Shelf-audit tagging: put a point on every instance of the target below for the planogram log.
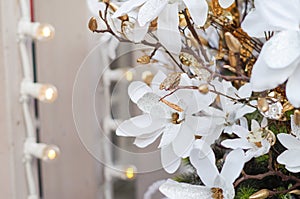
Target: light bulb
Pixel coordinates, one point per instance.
(42, 151)
(47, 93)
(50, 152)
(125, 172)
(37, 30)
(43, 92)
(44, 32)
(130, 173)
(129, 75)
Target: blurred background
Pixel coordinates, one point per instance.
(76, 173)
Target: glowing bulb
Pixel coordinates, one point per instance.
(42, 151)
(47, 93)
(36, 30)
(50, 152)
(43, 92)
(44, 32)
(130, 173)
(129, 76)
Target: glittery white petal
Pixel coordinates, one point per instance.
(282, 50)
(127, 7)
(288, 158)
(137, 89)
(183, 141)
(169, 134)
(226, 3)
(293, 169)
(292, 87)
(203, 159)
(167, 28)
(289, 141)
(150, 10)
(175, 190)
(236, 143)
(170, 161)
(139, 125)
(233, 165)
(198, 10)
(245, 91)
(264, 77)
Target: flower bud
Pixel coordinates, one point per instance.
(93, 24)
(261, 194)
(203, 88)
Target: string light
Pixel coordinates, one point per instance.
(124, 172)
(42, 151)
(37, 30)
(43, 92)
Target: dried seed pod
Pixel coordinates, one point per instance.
(295, 191)
(232, 42)
(297, 117)
(262, 104)
(261, 194)
(147, 77)
(145, 59)
(203, 88)
(93, 24)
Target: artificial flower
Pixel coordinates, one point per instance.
(279, 59)
(231, 111)
(217, 184)
(289, 156)
(255, 142)
(173, 118)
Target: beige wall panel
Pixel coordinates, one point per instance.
(76, 174)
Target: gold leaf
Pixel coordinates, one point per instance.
(93, 24)
(172, 105)
(143, 59)
(171, 81)
(287, 106)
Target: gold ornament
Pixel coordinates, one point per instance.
(93, 24)
(261, 194)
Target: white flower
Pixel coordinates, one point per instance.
(289, 158)
(145, 11)
(231, 111)
(172, 117)
(279, 59)
(254, 141)
(167, 13)
(203, 159)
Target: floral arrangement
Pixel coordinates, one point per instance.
(225, 102)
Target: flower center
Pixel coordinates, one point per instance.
(175, 118)
(217, 193)
(256, 137)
